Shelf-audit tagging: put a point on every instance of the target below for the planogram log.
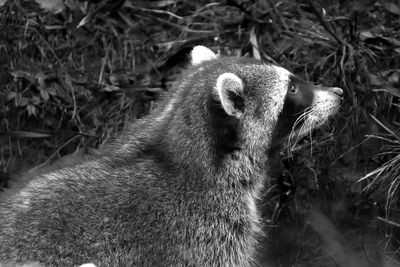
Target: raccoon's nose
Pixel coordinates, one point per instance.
(337, 91)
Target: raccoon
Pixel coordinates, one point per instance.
(181, 187)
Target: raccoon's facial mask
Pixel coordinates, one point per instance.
(306, 107)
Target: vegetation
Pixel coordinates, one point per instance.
(73, 74)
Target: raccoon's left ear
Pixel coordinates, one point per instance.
(201, 53)
(229, 89)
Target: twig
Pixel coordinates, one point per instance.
(254, 44)
(56, 152)
(342, 59)
(388, 221)
(128, 4)
(68, 82)
(182, 28)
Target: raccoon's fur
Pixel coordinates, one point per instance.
(181, 187)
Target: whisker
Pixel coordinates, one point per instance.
(306, 127)
(303, 117)
(298, 120)
(311, 143)
(299, 134)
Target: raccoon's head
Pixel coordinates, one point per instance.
(266, 102)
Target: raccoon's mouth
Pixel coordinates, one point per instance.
(312, 119)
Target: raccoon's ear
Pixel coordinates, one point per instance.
(229, 89)
(201, 53)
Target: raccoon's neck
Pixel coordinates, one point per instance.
(193, 145)
(189, 135)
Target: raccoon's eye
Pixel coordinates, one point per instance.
(292, 89)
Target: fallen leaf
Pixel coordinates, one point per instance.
(392, 8)
(254, 43)
(54, 6)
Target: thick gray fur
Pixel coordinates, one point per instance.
(163, 195)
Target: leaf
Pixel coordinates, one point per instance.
(151, 4)
(51, 90)
(254, 43)
(54, 6)
(374, 79)
(40, 77)
(392, 41)
(44, 94)
(162, 3)
(365, 35)
(24, 134)
(32, 110)
(394, 78)
(389, 90)
(385, 127)
(23, 74)
(392, 8)
(35, 100)
(110, 88)
(73, 5)
(10, 95)
(2, 2)
(21, 101)
(84, 21)
(68, 82)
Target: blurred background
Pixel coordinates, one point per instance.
(74, 74)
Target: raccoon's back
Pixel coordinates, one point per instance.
(76, 214)
(117, 214)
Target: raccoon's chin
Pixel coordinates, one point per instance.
(313, 122)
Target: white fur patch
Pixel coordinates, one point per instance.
(283, 73)
(228, 82)
(284, 78)
(201, 54)
(280, 88)
(169, 107)
(324, 105)
(320, 97)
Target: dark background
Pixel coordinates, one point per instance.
(74, 73)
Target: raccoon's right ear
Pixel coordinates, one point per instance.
(229, 89)
(200, 54)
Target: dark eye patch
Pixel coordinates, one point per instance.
(292, 86)
(294, 106)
